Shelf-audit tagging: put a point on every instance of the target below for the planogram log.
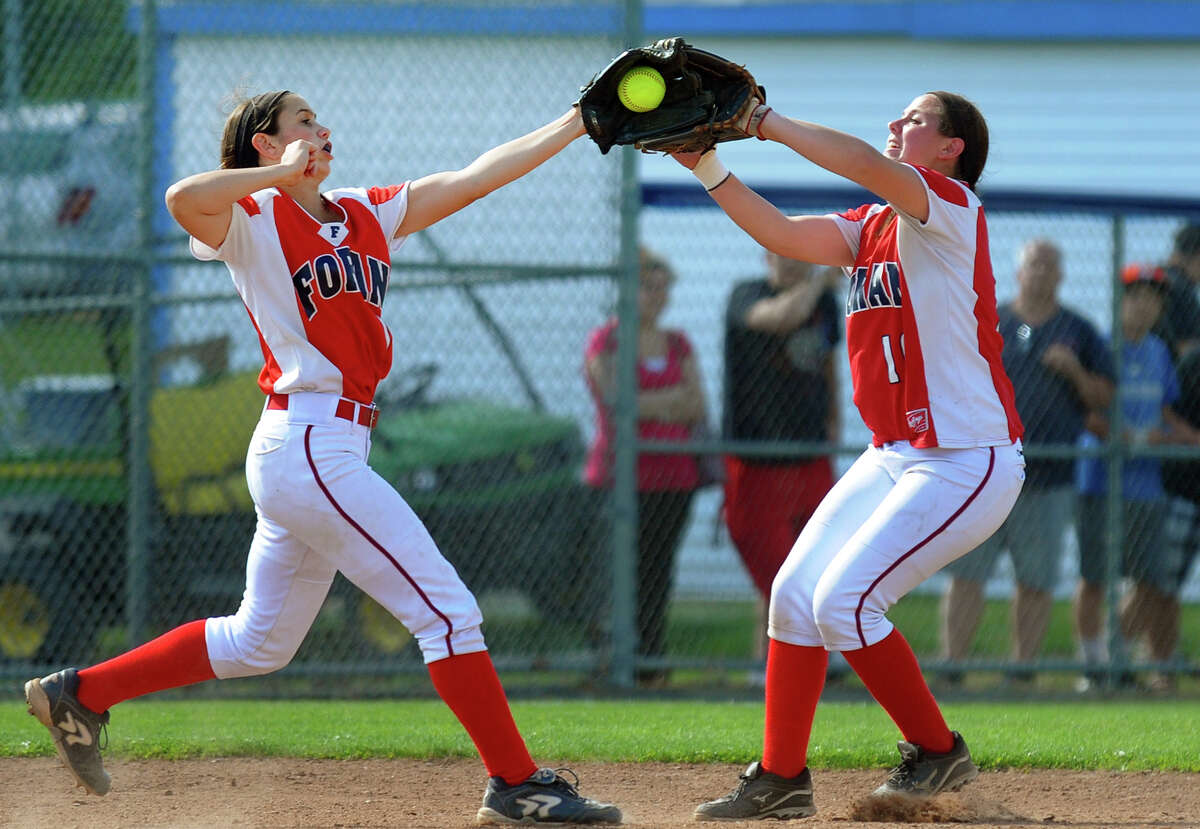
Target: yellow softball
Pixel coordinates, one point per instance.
(641, 89)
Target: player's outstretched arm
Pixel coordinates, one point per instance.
(203, 203)
(813, 239)
(436, 196)
(852, 158)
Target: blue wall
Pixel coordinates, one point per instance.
(1166, 20)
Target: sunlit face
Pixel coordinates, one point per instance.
(653, 290)
(783, 272)
(1140, 307)
(298, 121)
(915, 137)
(1191, 266)
(1040, 272)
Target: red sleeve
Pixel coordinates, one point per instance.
(857, 214)
(680, 345)
(946, 189)
(601, 340)
(249, 205)
(378, 195)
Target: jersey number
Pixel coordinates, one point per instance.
(890, 358)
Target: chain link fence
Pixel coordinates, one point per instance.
(127, 369)
(1095, 236)
(69, 123)
(128, 387)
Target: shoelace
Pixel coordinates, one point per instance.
(562, 782)
(102, 719)
(909, 757)
(899, 774)
(744, 780)
(902, 772)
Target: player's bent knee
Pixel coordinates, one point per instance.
(441, 644)
(255, 663)
(268, 657)
(838, 618)
(235, 649)
(790, 617)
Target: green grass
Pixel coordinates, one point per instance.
(1092, 735)
(1119, 734)
(726, 629)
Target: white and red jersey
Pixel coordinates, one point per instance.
(921, 324)
(315, 291)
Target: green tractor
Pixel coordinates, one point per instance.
(496, 484)
(498, 487)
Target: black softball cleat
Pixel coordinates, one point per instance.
(545, 797)
(76, 729)
(923, 774)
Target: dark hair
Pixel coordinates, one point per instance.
(652, 262)
(1187, 240)
(962, 119)
(251, 116)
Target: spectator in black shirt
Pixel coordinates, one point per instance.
(781, 331)
(1179, 326)
(1060, 369)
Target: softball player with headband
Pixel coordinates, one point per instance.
(312, 269)
(944, 467)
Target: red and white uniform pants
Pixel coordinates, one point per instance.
(896, 517)
(322, 509)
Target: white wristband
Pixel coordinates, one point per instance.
(711, 172)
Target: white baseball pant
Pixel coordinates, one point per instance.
(322, 509)
(896, 517)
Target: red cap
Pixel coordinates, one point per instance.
(1151, 274)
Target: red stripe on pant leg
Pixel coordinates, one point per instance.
(400, 569)
(863, 599)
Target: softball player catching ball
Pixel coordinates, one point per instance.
(312, 269)
(945, 463)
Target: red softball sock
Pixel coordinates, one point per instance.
(890, 671)
(795, 678)
(178, 657)
(469, 686)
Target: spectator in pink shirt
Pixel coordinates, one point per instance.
(670, 404)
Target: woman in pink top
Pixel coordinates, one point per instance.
(670, 402)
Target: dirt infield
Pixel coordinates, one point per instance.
(37, 793)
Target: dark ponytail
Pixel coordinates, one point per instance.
(962, 119)
(251, 116)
